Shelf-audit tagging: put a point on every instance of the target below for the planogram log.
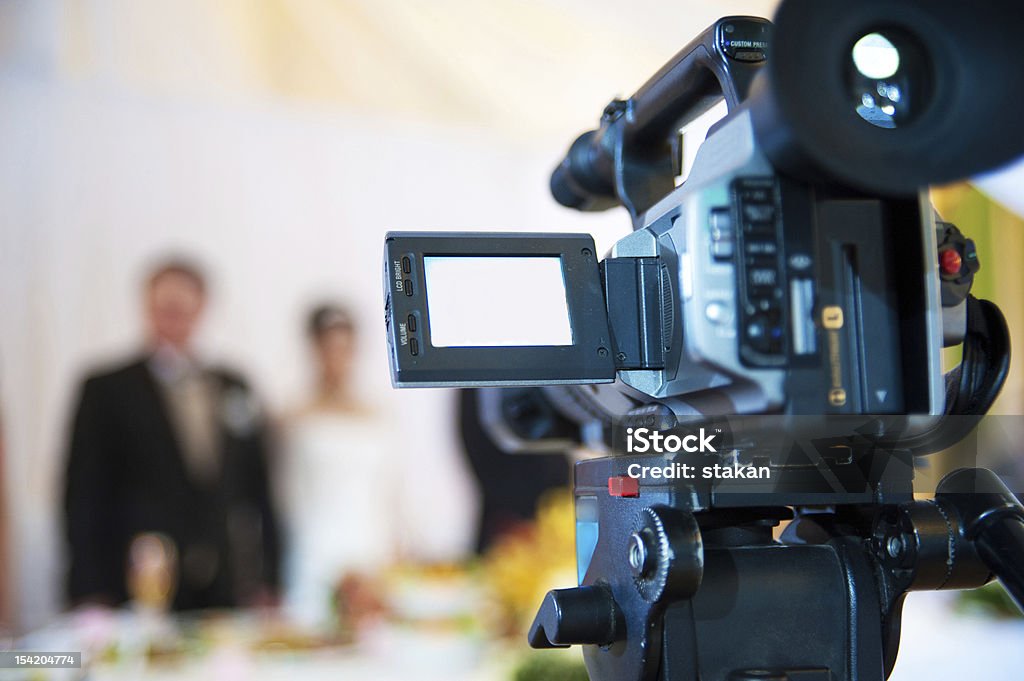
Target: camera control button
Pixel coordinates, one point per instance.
(722, 250)
(623, 486)
(762, 276)
(723, 237)
(718, 313)
(720, 223)
(764, 333)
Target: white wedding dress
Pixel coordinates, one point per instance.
(338, 497)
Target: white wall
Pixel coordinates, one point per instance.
(284, 206)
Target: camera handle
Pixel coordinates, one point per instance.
(633, 158)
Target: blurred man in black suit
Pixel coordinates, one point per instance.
(167, 446)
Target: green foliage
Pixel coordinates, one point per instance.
(991, 600)
(550, 666)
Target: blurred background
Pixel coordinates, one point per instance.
(272, 143)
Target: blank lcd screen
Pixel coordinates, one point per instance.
(475, 301)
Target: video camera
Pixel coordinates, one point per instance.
(793, 296)
(798, 269)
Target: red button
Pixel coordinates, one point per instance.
(623, 486)
(950, 261)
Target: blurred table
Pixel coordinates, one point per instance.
(937, 643)
(117, 646)
(227, 665)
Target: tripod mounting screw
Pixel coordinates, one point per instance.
(639, 555)
(895, 546)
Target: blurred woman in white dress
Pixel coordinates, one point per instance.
(335, 494)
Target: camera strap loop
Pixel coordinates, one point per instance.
(974, 385)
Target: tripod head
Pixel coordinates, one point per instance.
(684, 579)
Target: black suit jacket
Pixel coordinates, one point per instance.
(126, 475)
(510, 486)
